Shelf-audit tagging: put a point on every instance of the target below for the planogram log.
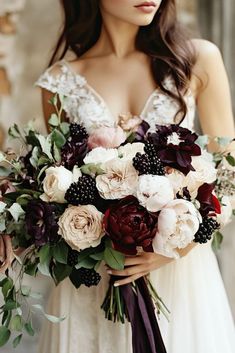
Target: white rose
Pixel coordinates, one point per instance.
(56, 183)
(205, 172)
(120, 180)
(154, 192)
(177, 180)
(81, 227)
(226, 211)
(178, 222)
(129, 150)
(101, 155)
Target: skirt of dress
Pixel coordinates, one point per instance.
(191, 287)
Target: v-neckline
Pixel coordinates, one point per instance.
(102, 100)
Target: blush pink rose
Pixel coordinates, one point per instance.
(107, 137)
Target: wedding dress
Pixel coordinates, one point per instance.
(191, 287)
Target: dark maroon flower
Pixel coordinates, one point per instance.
(175, 146)
(208, 201)
(40, 222)
(73, 153)
(130, 225)
(141, 131)
(6, 187)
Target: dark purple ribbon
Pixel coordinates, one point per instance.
(146, 335)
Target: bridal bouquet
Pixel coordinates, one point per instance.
(74, 201)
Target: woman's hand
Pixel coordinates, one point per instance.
(6, 253)
(139, 266)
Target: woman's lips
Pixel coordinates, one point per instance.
(146, 7)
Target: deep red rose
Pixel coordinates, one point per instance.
(178, 156)
(130, 225)
(208, 201)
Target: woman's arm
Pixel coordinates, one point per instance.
(215, 112)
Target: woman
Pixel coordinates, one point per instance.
(133, 60)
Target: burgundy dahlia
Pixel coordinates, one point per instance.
(73, 153)
(130, 225)
(40, 222)
(175, 146)
(208, 201)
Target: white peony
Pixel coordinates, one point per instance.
(101, 155)
(226, 211)
(154, 192)
(81, 226)
(178, 222)
(205, 172)
(56, 183)
(177, 180)
(129, 150)
(119, 180)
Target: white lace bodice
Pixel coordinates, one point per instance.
(85, 106)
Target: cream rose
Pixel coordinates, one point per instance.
(129, 150)
(120, 180)
(101, 155)
(56, 183)
(154, 192)
(81, 226)
(178, 222)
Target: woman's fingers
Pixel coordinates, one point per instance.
(128, 271)
(134, 260)
(7, 254)
(130, 279)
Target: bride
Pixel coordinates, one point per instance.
(132, 59)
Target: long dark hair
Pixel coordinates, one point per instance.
(163, 41)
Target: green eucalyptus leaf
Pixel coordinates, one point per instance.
(231, 160)
(99, 256)
(5, 334)
(2, 157)
(54, 120)
(54, 100)
(56, 153)
(64, 127)
(17, 340)
(44, 269)
(202, 141)
(114, 259)
(16, 211)
(25, 290)
(217, 241)
(45, 253)
(16, 323)
(14, 131)
(61, 272)
(223, 141)
(7, 287)
(46, 145)
(86, 263)
(31, 269)
(35, 156)
(2, 223)
(32, 139)
(51, 318)
(2, 206)
(29, 328)
(5, 172)
(10, 305)
(58, 138)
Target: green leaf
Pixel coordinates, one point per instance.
(17, 340)
(114, 259)
(4, 335)
(56, 153)
(25, 290)
(34, 158)
(43, 160)
(60, 252)
(44, 269)
(45, 143)
(86, 263)
(2, 223)
(231, 160)
(10, 305)
(223, 141)
(61, 272)
(64, 127)
(16, 323)
(92, 169)
(31, 269)
(14, 131)
(54, 100)
(51, 318)
(58, 138)
(29, 328)
(54, 120)
(5, 172)
(98, 256)
(2, 157)
(31, 139)
(202, 141)
(16, 211)
(75, 279)
(217, 241)
(2, 206)
(7, 287)
(45, 253)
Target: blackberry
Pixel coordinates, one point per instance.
(82, 192)
(88, 277)
(150, 149)
(72, 257)
(78, 132)
(141, 163)
(145, 164)
(206, 229)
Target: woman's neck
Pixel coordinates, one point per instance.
(117, 38)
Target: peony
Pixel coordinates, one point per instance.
(107, 137)
(154, 192)
(101, 155)
(178, 222)
(56, 183)
(81, 226)
(205, 172)
(177, 179)
(130, 226)
(129, 150)
(119, 180)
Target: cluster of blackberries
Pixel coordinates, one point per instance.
(78, 132)
(72, 257)
(206, 229)
(82, 192)
(148, 163)
(88, 277)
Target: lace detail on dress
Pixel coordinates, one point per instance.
(85, 106)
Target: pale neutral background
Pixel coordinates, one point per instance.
(38, 27)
